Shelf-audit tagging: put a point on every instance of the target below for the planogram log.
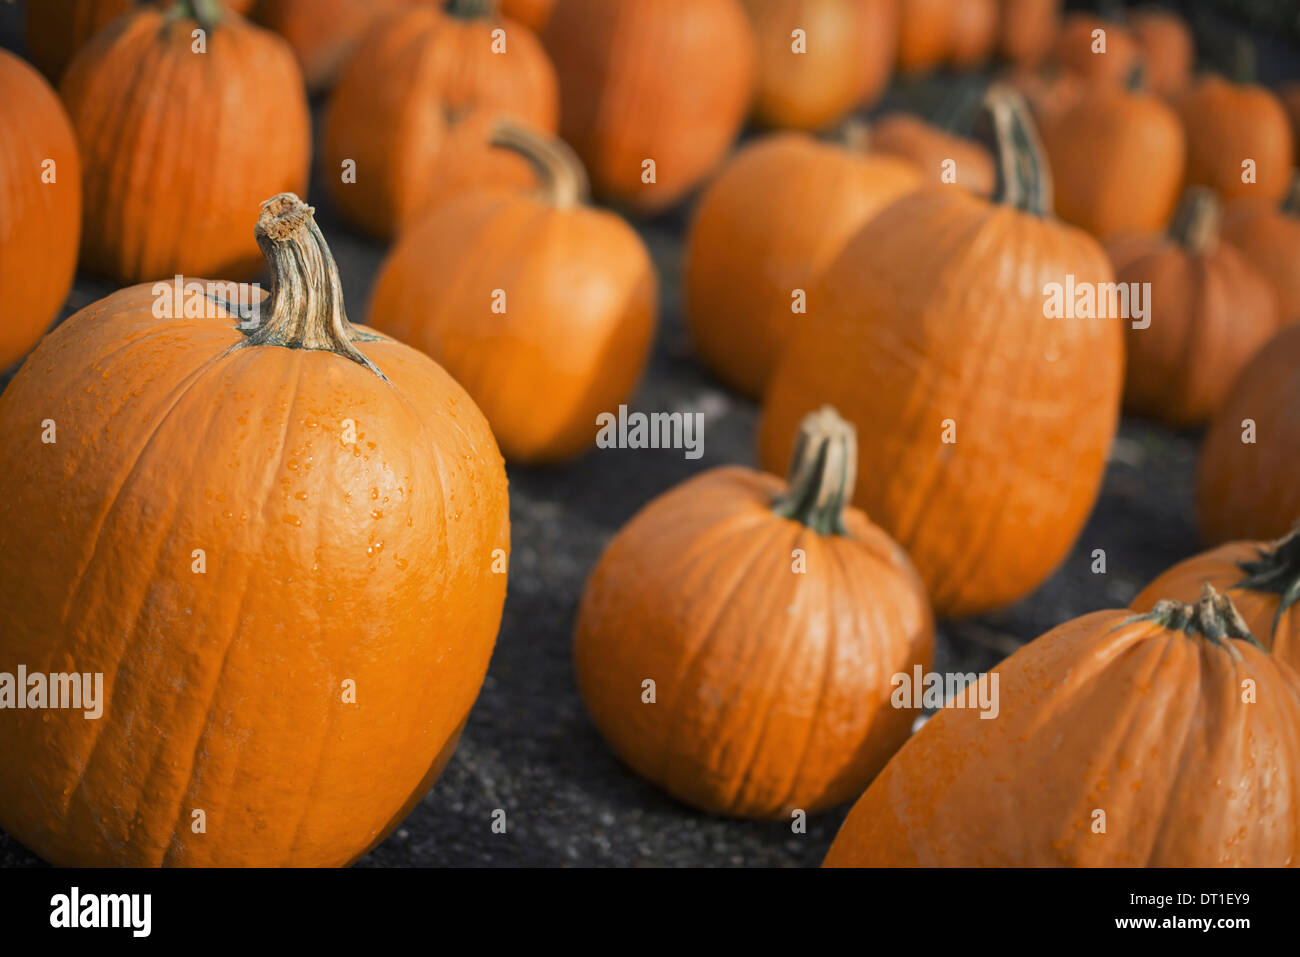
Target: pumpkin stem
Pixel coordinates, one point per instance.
(1195, 225)
(306, 303)
(1213, 617)
(207, 13)
(1024, 181)
(854, 135)
(823, 470)
(1245, 64)
(1136, 81)
(474, 9)
(563, 178)
(1277, 571)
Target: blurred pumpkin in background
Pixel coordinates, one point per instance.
(532, 13)
(1237, 131)
(934, 151)
(925, 33)
(1099, 51)
(323, 33)
(1027, 30)
(1270, 238)
(1168, 49)
(972, 33)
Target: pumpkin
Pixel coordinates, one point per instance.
(653, 91)
(289, 510)
(1246, 486)
(522, 296)
(1117, 161)
(972, 32)
(764, 229)
(931, 149)
(531, 13)
(57, 29)
(40, 206)
(1100, 58)
(1122, 740)
(1261, 578)
(987, 424)
(844, 59)
(1210, 312)
(1236, 130)
(1050, 92)
(1027, 30)
(1167, 49)
(1270, 239)
(167, 180)
(771, 619)
(925, 33)
(413, 78)
(323, 33)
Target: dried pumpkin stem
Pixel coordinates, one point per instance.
(563, 178)
(1213, 616)
(306, 304)
(1276, 571)
(207, 13)
(1195, 225)
(1005, 125)
(823, 471)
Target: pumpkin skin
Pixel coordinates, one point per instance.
(581, 298)
(326, 560)
(1261, 578)
(1130, 175)
(1167, 48)
(1289, 94)
(928, 147)
(849, 56)
(1073, 50)
(531, 13)
(1027, 30)
(40, 222)
(1129, 715)
(1249, 491)
(323, 33)
(906, 324)
(663, 80)
(925, 33)
(773, 687)
(1227, 123)
(1210, 312)
(972, 32)
(769, 224)
(184, 207)
(1270, 239)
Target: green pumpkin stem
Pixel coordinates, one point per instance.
(563, 178)
(823, 470)
(306, 301)
(1005, 125)
(1276, 571)
(207, 13)
(1136, 81)
(474, 9)
(1213, 617)
(1195, 225)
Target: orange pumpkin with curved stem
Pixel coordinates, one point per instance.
(309, 507)
(1140, 718)
(232, 129)
(930, 148)
(1228, 124)
(930, 335)
(1027, 30)
(40, 220)
(323, 33)
(766, 226)
(1167, 47)
(519, 296)
(771, 619)
(1270, 239)
(1080, 52)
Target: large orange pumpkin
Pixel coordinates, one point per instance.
(935, 152)
(1170, 739)
(1100, 51)
(168, 179)
(40, 206)
(1246, 485)
(984, 425)
(737, 641)
(764, 230)
(1236, 131)
(653, 91)
(1027, 29)
(1270, 239)
(323, 33)
(284, 549)
(842, 61)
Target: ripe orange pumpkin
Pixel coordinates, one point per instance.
(925, 33)
(1246, 484)
(395, 107)
(930, 148)
(654, 91)
(1270, 239)
(40, 219)
(1122, 740)
(1210, 312)
(1167, 48)
(770, 619)
(972, 32)
(1261, 578)
(1078, 51)
(765, 228)
(531, 13)
(1229, 123)
(168, 180)
(520, 297)
(1117, 161)
(845, 61)
(1027, 30)
(930, 336)
(323, 33)
(314, 513)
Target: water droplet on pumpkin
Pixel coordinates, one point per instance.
(300, 496)
(293, 520)
(376, 513)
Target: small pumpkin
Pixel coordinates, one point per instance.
(925, 33)
(1101, 51)
(972, 33)
(654, 91)
(323, 33)
(930, 335)
(233, 128)
(845, 60)
(522, 296)
(40, 206)
(935, 151)
(1139, 716)
(763, 231)
(1027, 30)
(1261, 578)
(1246, 482)
(1117, 161)
(1210, 312)
(247, 512)
(415, 76)
(533, 14)
(771, 617)
(1270, 239)
(1167, 48)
